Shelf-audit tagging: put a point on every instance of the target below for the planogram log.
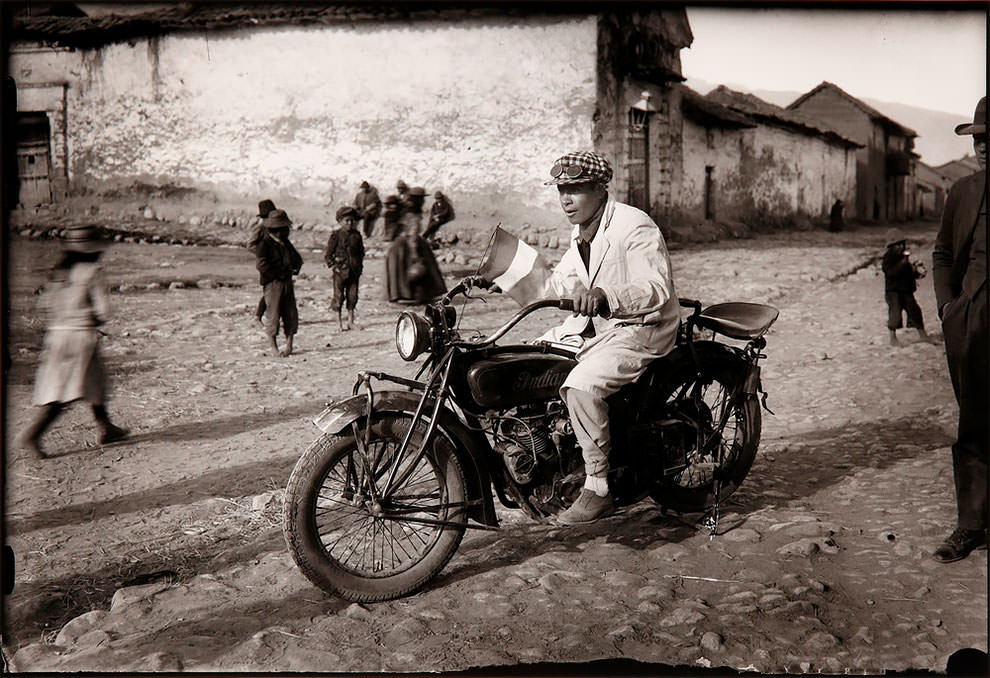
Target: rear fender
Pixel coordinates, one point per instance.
(471, 447)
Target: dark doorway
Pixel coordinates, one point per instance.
(34, 166)
(637, 165)
(709, 193)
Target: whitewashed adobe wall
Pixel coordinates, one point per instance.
(470, 107)
(810, 172)
(764, 172)
(717, 148)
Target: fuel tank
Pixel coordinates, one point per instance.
(511, 379)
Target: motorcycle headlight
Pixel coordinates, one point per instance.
(412, 335)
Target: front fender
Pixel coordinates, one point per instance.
(342, 413)
(471, 447)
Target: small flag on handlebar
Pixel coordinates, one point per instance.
(518, 269)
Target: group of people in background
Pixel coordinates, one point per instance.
(370, 207)
(412, 275)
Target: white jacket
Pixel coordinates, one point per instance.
(630, 264)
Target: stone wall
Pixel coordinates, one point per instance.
(476, 108)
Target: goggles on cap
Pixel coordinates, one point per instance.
(572, 171)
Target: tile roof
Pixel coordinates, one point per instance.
(862, 105)
(703, 110)
(94, 31)
(765, 112)
(959, 168)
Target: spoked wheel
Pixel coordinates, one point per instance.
(353, 536)
(725, 433)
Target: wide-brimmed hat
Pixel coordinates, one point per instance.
(277, 219)
(417, 190)
(895, 237)
(86, 239)
(265, 208)
(979, 125)
(347, 211)
(580, 167)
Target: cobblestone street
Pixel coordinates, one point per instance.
(168, 545)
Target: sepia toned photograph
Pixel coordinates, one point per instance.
(495, 338)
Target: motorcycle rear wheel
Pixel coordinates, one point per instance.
(729, 424)
(364, 550)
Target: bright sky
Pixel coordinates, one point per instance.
(933, 59)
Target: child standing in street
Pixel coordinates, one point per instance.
(265, 207)
(277, 262)
(900, 275)
(70, 367)
(344, 256)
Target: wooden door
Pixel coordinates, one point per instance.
(34, 172)
(34, 164)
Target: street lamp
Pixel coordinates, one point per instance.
(639, 114)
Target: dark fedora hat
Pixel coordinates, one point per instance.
(979, 125)
(277, 219)
(85, 239)
(265, 208)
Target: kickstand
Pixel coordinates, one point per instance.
(711, 519)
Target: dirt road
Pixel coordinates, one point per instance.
(168, 545)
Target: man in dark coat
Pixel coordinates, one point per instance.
(441, 212)
(900, 276)
(960, 264)
(835, 216)
(369, 207)
(277, 262)
(344, 256)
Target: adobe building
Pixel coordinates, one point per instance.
(931, 187)
(959, 168)
(884, 163)
(301, 102)
(749, 161)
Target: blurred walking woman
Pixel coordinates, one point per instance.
(70, 367)
(412, 275)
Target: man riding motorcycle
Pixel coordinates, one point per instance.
(617, 267)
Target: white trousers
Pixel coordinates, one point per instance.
(589, 417)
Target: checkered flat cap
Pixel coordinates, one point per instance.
(579, 168)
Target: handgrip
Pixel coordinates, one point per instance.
(566, 304)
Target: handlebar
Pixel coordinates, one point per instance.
(464, 285)
(563, 304)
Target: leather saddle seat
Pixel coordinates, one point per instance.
(738, 319)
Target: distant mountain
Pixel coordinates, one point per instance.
(936, 142)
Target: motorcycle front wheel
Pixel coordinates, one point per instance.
(350, 537)
(726, 427)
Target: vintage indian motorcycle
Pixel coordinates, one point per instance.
(377, 505)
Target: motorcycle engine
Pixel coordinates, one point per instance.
(541, 455)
